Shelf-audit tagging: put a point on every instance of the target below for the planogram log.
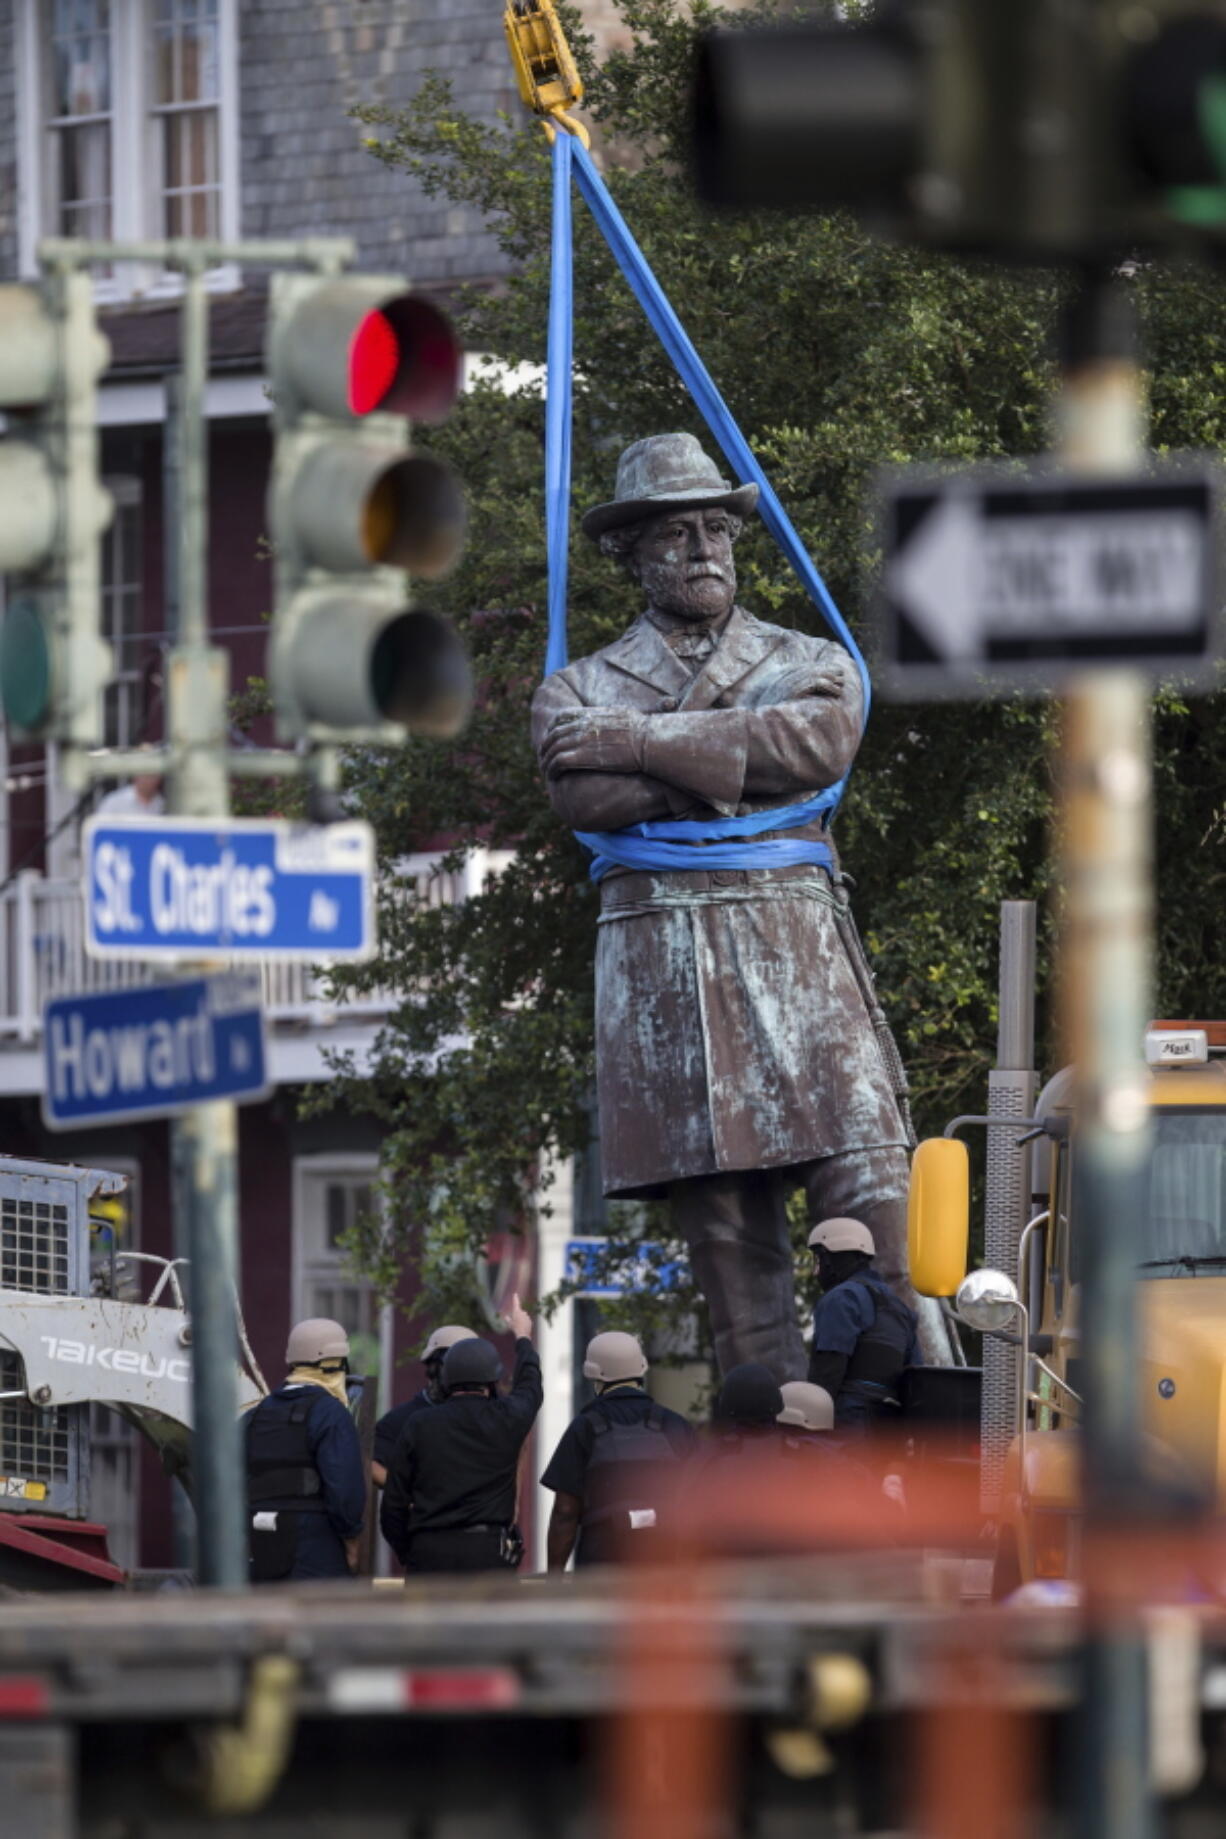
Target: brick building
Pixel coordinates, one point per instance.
(226, 118)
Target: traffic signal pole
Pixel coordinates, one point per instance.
(1106, 845)
(206, 1138)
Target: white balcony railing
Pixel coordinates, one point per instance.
(42, 952)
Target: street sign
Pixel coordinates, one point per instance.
(651, 1269)
(153, 1050)
(176, 888)
(996, 580)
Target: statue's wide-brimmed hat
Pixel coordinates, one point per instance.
(663, 473)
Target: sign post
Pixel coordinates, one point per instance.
(1100, 575)
(205, 1146)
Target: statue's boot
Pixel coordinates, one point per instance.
(736, 1229)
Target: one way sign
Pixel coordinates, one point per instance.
(998, 580)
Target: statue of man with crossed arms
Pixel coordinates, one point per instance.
(740, 1050)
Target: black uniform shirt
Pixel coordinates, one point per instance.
(454, 1466)
(390, 1425)
(567, 1471)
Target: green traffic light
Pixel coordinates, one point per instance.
(25, 665)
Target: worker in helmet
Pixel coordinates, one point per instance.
(747, 1408)
(390, 1425)
(449, 1503)
(740, 1450)
(863, 1334)
(615, 1464)
(808, 1411)
(807, 1429)
(806, 1425)
(306, 1484)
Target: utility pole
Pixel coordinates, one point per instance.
(1107, 871)
(205, 1139)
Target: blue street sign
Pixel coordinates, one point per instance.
(651, 1269)
(179, 888)
(153, 1050)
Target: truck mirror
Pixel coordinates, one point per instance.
(939, 1215)
(987, 1300)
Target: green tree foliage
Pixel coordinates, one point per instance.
(838, 354)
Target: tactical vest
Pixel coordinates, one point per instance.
(624, 1468)
(281, 1471)
(881, 1352)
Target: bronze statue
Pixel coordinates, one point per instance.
(740, 1050)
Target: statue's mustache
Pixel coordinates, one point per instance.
(702, 569)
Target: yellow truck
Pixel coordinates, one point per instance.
(1034, 1308)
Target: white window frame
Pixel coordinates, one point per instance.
(135, 195)
(338, 1162)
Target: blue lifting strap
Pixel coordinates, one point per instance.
(723, 842)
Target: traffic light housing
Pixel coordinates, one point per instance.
(1081, 132)
(353, 509)
(54, 662)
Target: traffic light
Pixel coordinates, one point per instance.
(1075, 132)
(353, 508)
(53, 510)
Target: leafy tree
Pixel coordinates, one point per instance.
(838, 354)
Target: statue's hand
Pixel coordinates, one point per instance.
(595, 741)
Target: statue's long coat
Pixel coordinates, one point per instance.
(731, 1031)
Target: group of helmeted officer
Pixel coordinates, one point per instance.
(449, 1461)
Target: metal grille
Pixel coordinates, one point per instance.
(1007, 1193)
(34, 1445)
(33, 1246)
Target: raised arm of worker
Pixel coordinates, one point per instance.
(797, 730)
(527, 1392)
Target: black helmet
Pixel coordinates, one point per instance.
(470, 1363)
(750, 1394)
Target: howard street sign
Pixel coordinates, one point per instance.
(178, 888)
(153, 1050)
(995, 579)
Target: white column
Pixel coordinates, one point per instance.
(64, 851)
(555, 1339)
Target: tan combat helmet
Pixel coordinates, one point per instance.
(842, 1236)
(316, 1340)
(443, 1338)
(612, 1358)
(805, 1406)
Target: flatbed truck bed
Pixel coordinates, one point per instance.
(491, 1709)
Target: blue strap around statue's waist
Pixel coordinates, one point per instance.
(687, 844)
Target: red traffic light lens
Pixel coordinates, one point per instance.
(404, 360)
(373, 362)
